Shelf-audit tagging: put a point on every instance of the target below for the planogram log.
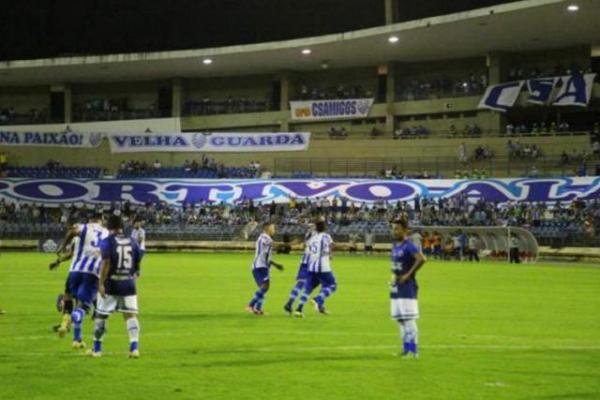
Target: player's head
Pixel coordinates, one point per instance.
(114, 223)
(269, 228)
(138, 222)
(97, 216)
(320, 225)
(400, 228)
(72, 221)
(311, 227)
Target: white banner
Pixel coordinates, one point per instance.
(540, 90)
(51, 139)
(501, 97)
(320, 110)
(208, 142)
(576, 90)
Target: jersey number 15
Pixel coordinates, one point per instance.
(125, 259)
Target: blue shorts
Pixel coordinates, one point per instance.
(302, 273)
(407, 290)
(261, 275)
(83, 287)
(315, 278)
(120, 288)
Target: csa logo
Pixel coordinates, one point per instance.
(95, 139)
(49, 246)
(362, 106)
(199, 140)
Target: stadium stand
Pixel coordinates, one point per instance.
(55, 172)
(336, 91)
(562, 224)
(9, 116)
(105, 109)
(443, 87)
(232, 105)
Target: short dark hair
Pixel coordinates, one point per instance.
(320, 225)
(402, 221)
(97, 215)
(114, 223)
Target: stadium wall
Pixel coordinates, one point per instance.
(570, 254)
(428, 150)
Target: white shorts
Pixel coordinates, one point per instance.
(109, 304)
(404, 309)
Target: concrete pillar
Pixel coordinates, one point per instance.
(496, 71)
(68, 104)
(390, 97)
(495, 68)
(177, 98)
(284, 101)
(391, 11)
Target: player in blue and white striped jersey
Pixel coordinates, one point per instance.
(138, 233)
(82, 283)
(261, 267)
(65, 300)
(302, 271)
(320, 246)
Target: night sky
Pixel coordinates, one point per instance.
(48, 28)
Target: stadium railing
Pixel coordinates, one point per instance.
(445, 133)
(304, 168)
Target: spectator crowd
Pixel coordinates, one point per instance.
(582, 217)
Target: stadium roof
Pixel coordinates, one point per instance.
(522, 26)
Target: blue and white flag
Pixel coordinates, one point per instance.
(51, 139)
(321, 110)
(576, 90)
(540, 90)
(208, 142)
(178, 192)
(501, 97)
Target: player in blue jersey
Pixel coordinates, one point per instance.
(406, 261)
(82, 283)
(261, 267)
(121, 257)
(302, 272)
(320, 246)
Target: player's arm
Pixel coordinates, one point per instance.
(71, 233)
(105, 250)
(103, 275)
(276, 265)
(419, 261)
(137, 259)
(60, 259)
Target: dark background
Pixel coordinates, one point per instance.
(49, 28)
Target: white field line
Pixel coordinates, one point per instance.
(304, 349)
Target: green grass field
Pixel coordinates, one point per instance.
(487, 331)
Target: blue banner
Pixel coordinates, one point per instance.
(179, 192)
